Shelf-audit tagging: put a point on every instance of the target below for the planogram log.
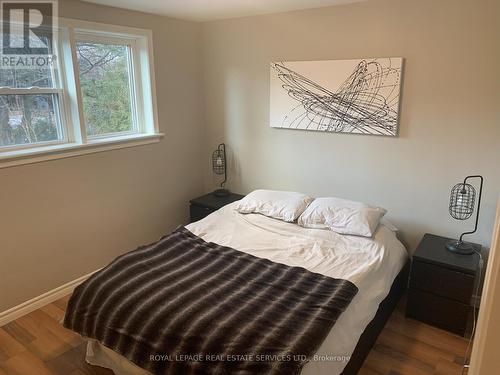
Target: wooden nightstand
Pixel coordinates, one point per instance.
(206, 204)
(441, 285)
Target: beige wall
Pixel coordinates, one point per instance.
(62, 219)
(450, 117)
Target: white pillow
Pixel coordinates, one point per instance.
(342, 216)
(283, 205)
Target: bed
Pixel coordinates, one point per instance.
(376, 266)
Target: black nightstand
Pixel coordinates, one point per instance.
(441, 285)
(206, 204)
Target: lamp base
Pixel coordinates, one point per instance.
(460, 247)
(220, 193)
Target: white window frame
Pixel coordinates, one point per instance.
(75, 140)
(60, 111)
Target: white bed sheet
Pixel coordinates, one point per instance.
(370, 263)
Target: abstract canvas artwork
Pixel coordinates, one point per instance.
(342, 96)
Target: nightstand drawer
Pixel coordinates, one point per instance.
(440, 312)
(442, 281)
(198, 212)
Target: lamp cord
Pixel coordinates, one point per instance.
(474, 305)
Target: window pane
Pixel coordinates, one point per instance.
(22, 71)
(27, 119)
(106, 88)
(23, 78)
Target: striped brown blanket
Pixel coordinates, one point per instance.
(183, 305)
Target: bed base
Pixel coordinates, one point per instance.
(371, 332)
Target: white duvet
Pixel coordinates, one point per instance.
(370, 263)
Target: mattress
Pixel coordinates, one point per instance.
(370, 263)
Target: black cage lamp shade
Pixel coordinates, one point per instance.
(219, 167)
(462, 201)
(462, 205)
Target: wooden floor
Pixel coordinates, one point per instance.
(409, 347)
(36, 344)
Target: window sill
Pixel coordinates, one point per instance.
(68, 150)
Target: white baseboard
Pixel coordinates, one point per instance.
(40, 301)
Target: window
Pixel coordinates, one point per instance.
(98, 92)
(29, 106)
(107, 88)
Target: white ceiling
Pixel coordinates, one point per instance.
(209, 10)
